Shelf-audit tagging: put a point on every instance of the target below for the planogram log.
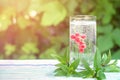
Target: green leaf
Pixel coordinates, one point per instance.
(67, 56)
(107, 29)
(104, 58)
(108, 58)
(85, 74)
(60, 73)
(31, 56)
(112, 68)
(64, 59)
(106, 19)
(1, 56)
(97, 60)
(54, 13)
(59, 58)
(49, 54)
(105, 42)
(114, 62)
(9, 49)
(4, 22)
(57, 69)
(75, 64)
(63, 67)
(30, 47)
(100, 75)
(116, 55)
(71, 6)
(86, 65)
(35, 5)
(22, 22)
(77, 74)
(116, 36)
(23, 56)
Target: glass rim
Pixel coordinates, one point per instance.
(83, 17)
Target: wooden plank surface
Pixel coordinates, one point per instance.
(36, 70)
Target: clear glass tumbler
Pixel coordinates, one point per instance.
(82, 37)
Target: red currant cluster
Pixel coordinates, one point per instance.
(79, 40)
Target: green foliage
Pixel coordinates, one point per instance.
(71, 6)
(27, 56)
(115, 36)
(101, 64)
(47, 54)
(47, 22)
(1, 56)
(35, 5)
(106, 59)
(107, 14)
(22, 22)
(54, 13)
(97, 60)
(9, 49)
(103, 40)
(116, 55)
(29, 48)
(108, 28)
(4, 22)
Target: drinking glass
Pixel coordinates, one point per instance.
(82, 37)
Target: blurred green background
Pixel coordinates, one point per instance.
(35, 29)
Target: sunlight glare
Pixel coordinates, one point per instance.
(33, 13)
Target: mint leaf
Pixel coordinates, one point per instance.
(61, 59)
(112, 68)
(60, 73)
(101, 65)
(114, 62)
(66, 55)
(100, 75)
(97, 60)
(85, 74)
(104, 58)
(75, 64)
(108, 58)
(57, 69)
(86, 65)
(63, 67)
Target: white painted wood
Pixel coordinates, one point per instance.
(37, 70)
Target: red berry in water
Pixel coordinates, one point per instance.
(82, 46)
(81, 42)
(77, 40)
(83, 36)
(77, 34)
(81, 50)
(73, 37)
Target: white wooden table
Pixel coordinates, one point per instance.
(37, 70)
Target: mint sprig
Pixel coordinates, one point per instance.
(99, 71)
(101, 64)
(66, 69)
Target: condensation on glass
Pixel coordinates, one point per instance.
(82, 37)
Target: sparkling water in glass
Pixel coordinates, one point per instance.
(82, 37)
